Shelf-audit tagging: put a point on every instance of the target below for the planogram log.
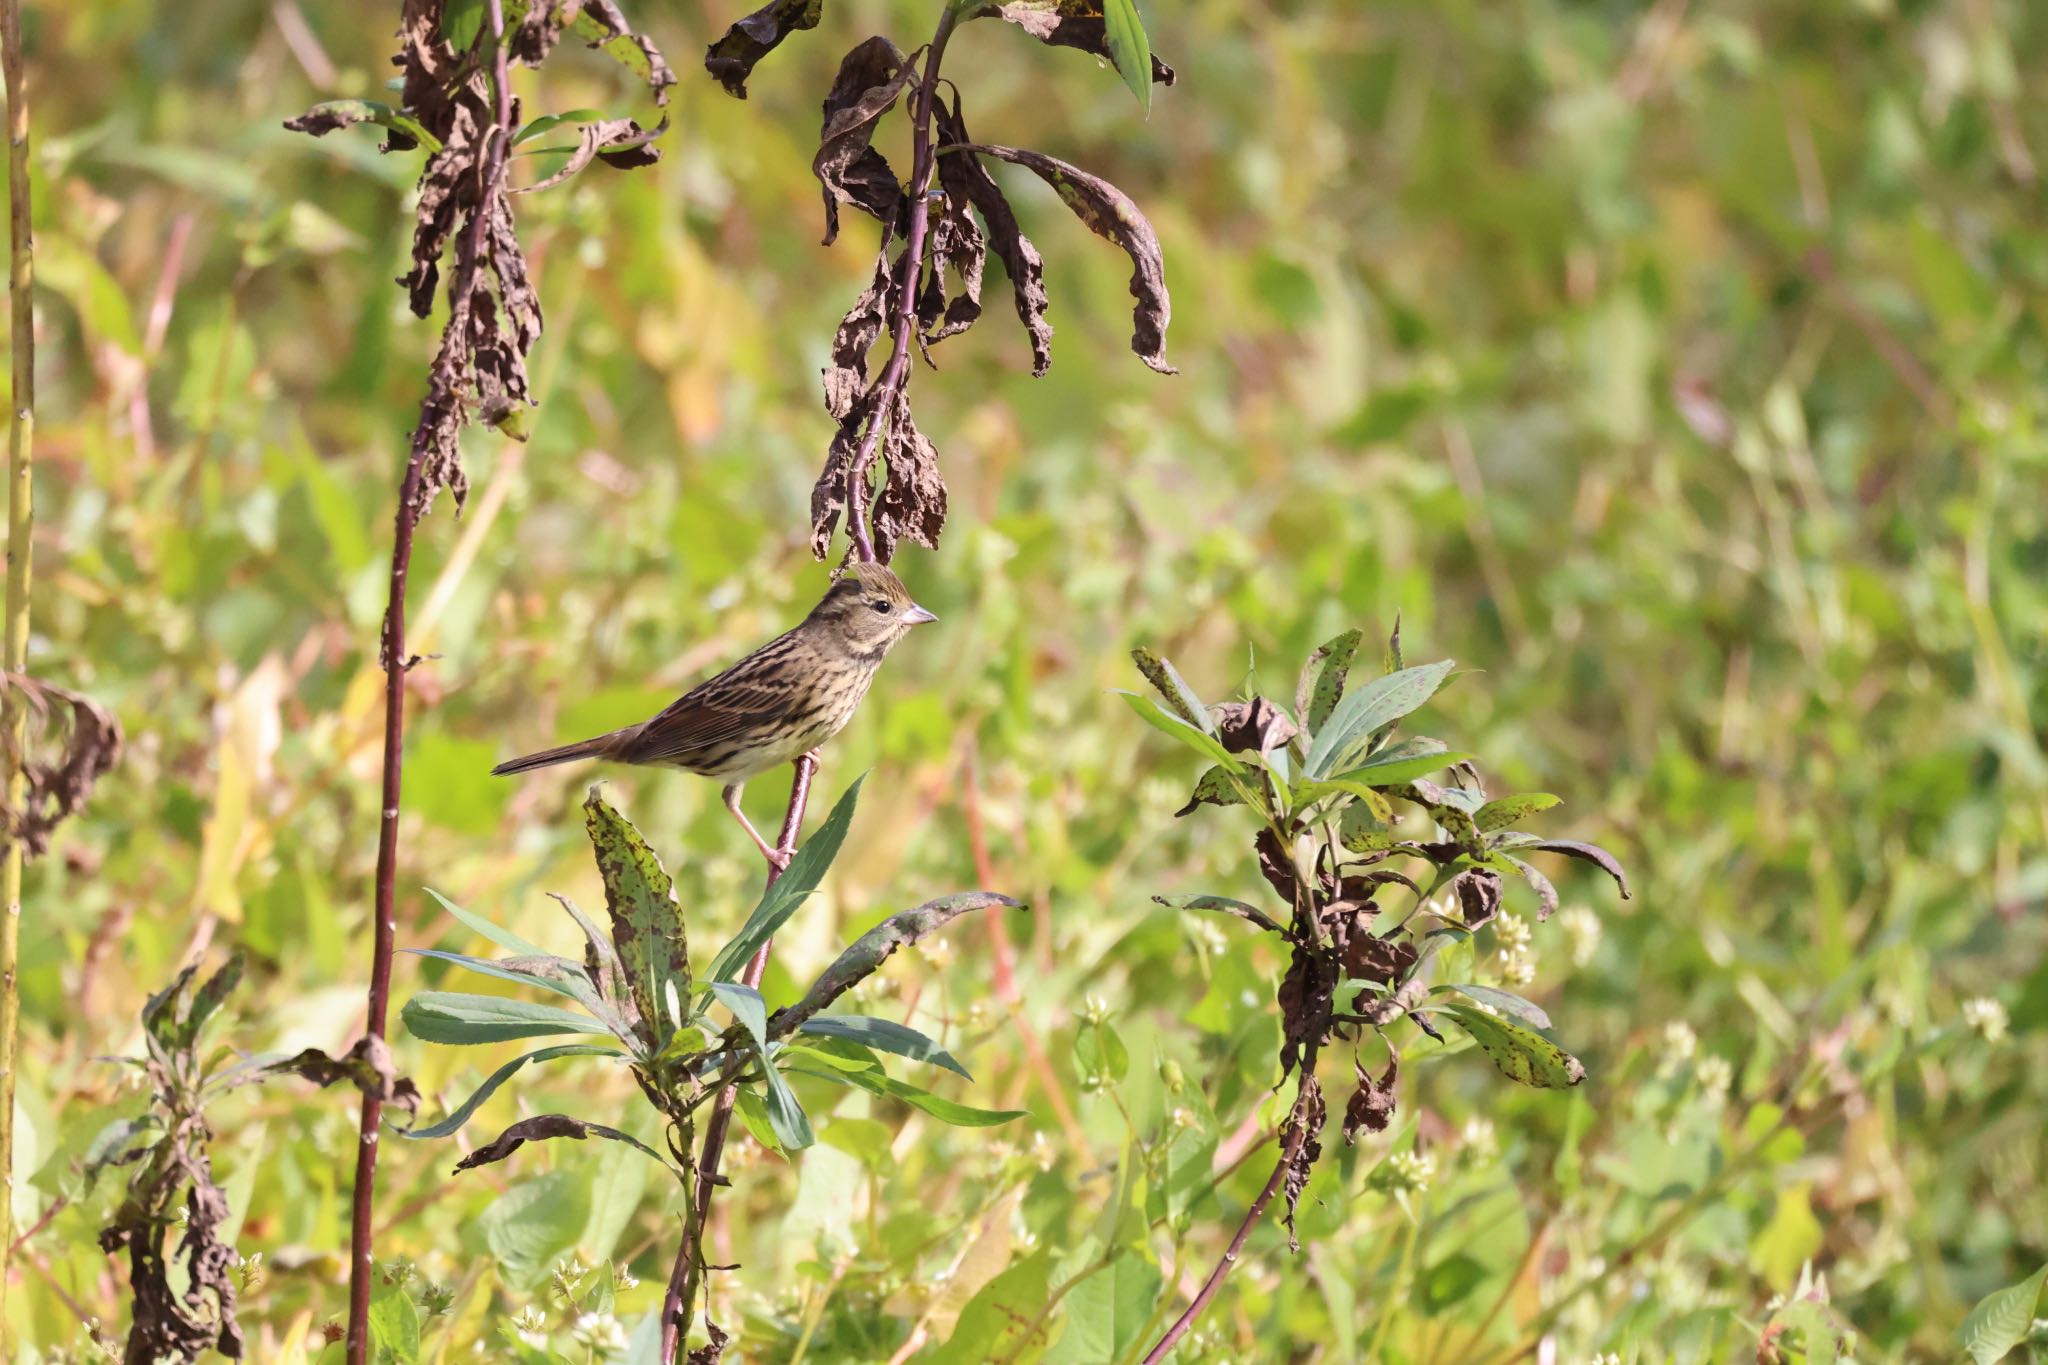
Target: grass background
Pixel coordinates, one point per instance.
(1678, 369)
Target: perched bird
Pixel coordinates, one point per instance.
(783, 700)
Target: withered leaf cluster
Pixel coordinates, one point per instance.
(452, 104)
(881, 472)
(71, 742)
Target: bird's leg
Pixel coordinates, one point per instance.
(768, 851)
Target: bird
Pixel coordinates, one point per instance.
(778, 703)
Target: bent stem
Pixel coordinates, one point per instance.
(896, 374)
(1230, 1253)
(687, 1274)
(20, 521)
(439, 399)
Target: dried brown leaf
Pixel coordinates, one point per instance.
(732, 58)
(1070, 23)
(966, 180)
(1258, 724)
(872, 77)
(1109, 212)
(913, 502)
(87, 740)
(1372, 1105)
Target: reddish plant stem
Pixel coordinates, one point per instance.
(882, 397)
(682, 1276)
(1230, 1253)
(469, 251)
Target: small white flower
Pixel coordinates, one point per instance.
(623, 1278)
(1582, 928)
(1512, 933)
(1986, 1017)
(1094, 1009)
(1518, 968)
(1479, 1140)
(531, 1326)
(601, 1332)
(1412, 1170)
(936, 951)
(1715, 1075)
(1678, 1046)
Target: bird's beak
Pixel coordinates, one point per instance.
(917, 616)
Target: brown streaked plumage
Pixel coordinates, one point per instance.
(780, 702)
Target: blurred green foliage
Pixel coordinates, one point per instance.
(1681, 367)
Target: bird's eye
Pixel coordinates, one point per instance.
(880, 604)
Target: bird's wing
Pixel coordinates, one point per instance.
(756, 693)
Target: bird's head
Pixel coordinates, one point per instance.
(868, 609)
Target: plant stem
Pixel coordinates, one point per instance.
(20, 521)
(433, 411)
(1230, 1253)
(881, 398)
(685, 1275)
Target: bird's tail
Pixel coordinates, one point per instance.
(567, 753)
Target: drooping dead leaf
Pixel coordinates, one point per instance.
(1258, 724)
(1109, 212)
(71, 742)
(367, 1066)
(872, 77)
(731, 59)
(1372, 1105)
(913, 501)
(846, 378)
(966, 180)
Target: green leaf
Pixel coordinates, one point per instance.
(1181, 700)
(1792, 1238)
(461, 22)
(1571, 848)
(1167, 723)
(1509, 811)
(462, 1113)
(1521, 1053)
(1002, 1320)
(786, 1117)
(647, 923)
(1403, 763)
(1128, 48)
(885, 1035)
(462, 1019)
(2001, 1320)
(1106, 1311)
(781, 900)
(483, 928)
(1379, 703)
(946, 1111)
(547, 121)
(1368, 825)
(557, 974)
(1546, 894)
(208, 998)
(1322, 680)
(534, 1222)
(1099, 1051)
(1450, 1282)
(394, 1325)
(1212, 788)
(747, 1007)
(1507, 1002)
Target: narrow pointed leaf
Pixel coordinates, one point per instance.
(1322, 679)
(647, 923)
(1520, 1052)
(1378, 703)
(885, 1035)
(461, 1019)
(1511, 810)
(462, 1113)
(781, 900)
(483, 928)
(873, 948)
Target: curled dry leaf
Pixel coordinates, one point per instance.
(620, 142)
(732, 58)
(1109, 212)
(367, 1066)
(1252, 725)
(539, 1129)
(713, 1350)
(1306, 1121)
(846, 378)
(1069, 23)
(913, 502)
(966, 181)
(1372, 1105)
(1307, 996)
(1478, 891)
(1385, 960)
(602, 25)
(957, 245)
(872, 77)
(58, 785)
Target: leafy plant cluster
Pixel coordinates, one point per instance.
(635, 985)
(1343, 807)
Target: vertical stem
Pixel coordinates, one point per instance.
(396, 661)
(685, 1275)
(881, 398)
(20, 521)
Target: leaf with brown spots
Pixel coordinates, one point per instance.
(1068, 23)
(542, 1127)
(647, 923)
